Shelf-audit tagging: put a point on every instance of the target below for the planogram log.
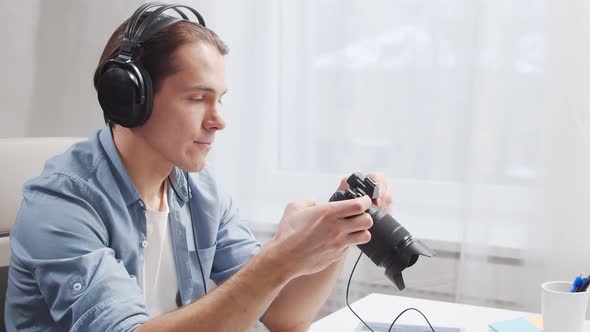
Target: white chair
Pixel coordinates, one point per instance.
(21, 160)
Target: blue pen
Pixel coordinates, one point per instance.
(577, 283)
(582, 282)
(584, 285)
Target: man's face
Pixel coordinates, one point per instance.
(186, 109)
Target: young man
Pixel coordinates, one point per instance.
(112, 238)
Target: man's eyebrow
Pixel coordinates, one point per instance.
(204, 88)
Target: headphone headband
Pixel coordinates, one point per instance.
(158, 12)
(154, 22)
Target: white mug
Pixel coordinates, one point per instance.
(563, 310)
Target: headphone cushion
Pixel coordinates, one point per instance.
(122, 93)
(148, 93)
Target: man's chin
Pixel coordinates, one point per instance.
(195, 168)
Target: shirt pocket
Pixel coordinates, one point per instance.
(205, 257)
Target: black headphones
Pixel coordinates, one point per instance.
(124, 87)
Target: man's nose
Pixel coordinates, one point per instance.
(214, 120)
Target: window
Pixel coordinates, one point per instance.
(442, 96)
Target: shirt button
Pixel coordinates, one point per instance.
(141, 203)
(77, 286)
(144, 244)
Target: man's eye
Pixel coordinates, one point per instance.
(197, 99)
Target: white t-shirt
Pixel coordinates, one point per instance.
(160, 283)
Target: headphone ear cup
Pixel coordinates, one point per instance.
(121, 93)
(148, 93)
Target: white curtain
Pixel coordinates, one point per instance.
(477, 111)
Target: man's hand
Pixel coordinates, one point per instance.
(312, 240)
(385, 199)
(311, 236)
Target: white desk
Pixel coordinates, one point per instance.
(384, 308)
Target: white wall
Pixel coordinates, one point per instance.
(49, 53)
(17, 65)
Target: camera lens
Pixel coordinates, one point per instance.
(391, 245)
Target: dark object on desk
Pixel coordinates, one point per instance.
(384, 327)
(391, 245)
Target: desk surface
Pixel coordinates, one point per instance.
(384, 308)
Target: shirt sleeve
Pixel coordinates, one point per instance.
(59, 238)
(236, 244)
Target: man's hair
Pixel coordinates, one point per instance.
(155, 54)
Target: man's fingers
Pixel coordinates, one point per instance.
(349, 207)
(384, 202)
(387, 201)
(379, 178)
(358, 223)
(298, 205)
(360, 237)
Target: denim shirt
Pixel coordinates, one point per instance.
(77, 248)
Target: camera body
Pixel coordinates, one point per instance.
(391, 245)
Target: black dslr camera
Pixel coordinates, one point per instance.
(391, 245)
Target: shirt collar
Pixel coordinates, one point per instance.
(178, 181)
(126, 186)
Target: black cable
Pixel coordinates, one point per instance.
(348, 287)
(357, 316)
(398, 316)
